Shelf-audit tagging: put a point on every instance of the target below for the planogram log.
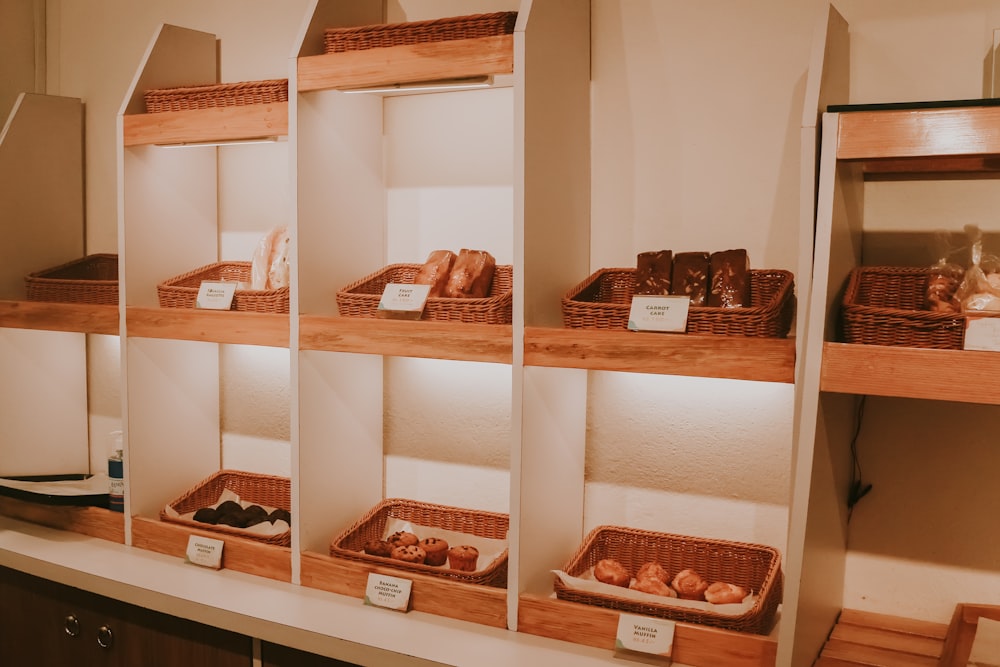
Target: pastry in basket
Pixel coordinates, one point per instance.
(689, 585)
(730, 279)
(690, 276)
(471, 276)
(610, 571)
(409, 554)
(652, 570)
(652, 272)
(378, 548)
(206, 515)
(942, 288)
(436, 550)
(723, 593)
(463, 558)
(654, 586)
(435, 271)
(280, 515)
(402, 538)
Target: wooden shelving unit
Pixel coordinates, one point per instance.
(241, 123)
(73, 317)
(234, 327)
(863, 638)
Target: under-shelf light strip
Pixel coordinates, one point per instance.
(426, 86)
(234, 142)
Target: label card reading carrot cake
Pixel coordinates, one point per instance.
(204, 551)
(659, 313)
(643, 634)
(215, 295)
(388, 592)
(404, 302)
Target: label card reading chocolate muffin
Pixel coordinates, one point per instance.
(402, 301)
(388, 592)
(204, 551)
(659, 313)
(643, 634)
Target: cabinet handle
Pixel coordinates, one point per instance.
(72, 625)
(104, 637)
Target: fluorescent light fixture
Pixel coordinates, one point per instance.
(426, 86)
(233, 142)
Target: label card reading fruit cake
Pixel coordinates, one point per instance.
(405, 302)
(643, 634)
(659, 313)
(388, 592)
(215, 295)
(204, 551)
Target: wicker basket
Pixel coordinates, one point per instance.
(92, 279)
(216, 95)
(603, 301)
(361, 298)
(754, 567)
(268, 490)
(182, 291)
(884, 306)
(372, 526)
(337, 40)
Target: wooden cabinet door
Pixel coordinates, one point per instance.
(275, 655)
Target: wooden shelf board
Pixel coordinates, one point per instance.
(92, 521)
(83, 318)
(946, 375)
(879, 640)
(235, 123)
(215, 326)
(435, 61)
(730, 357)
(484, 605)
(427, 339)
(696, 645)
(240, 555)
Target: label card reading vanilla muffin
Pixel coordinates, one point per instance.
(659, 313)
(643, 634)
(388, 592)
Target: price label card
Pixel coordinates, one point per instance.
(982, 333)
(215, 295)
(402, 301)
(204, 551)
(388, 592)
(659, 313)
(654, 636)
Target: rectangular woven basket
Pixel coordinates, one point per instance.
(372, 526)
(604, 299)
(92, 280)
(182, 291)
(883, 305)
(268, 490)
(361, 298)
(186, 98)
(752, 566)
(358, 38)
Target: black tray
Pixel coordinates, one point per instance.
(57, 490)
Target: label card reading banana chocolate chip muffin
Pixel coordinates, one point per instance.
(659, 313)
(388, 592)
(643, 634)
(403, 301)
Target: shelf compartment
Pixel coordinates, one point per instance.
(194, 126)
(695, 645)
(92, 521)
(730, 357)
(430, 340)
(907, 372)
(239, 554)
(869, 639)
(214, 326)
(484, 605)
(70, 317)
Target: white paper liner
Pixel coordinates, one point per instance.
(986, 644)
(489, 549)
(264, 528)
(588, 584)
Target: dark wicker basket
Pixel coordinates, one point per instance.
(361, 298)
(269, 490)
(884, 306)
(604, 299)
(372, 526)
(752, 566)
(338, 40)
(182, 291)
(92, 279)
(216, 95)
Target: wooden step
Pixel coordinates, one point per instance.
(879, 640)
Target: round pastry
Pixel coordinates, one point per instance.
(654, 586)
(437, 550)
(409, 554)
(280, 515)
(722, 593)
(610, 571)
(689, 585)
(379, 548)
(463, 558)
(229, 506)
(401, 538)
(652, 571)
(206, 515)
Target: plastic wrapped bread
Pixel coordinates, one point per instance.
(436, 271)
(471, 276)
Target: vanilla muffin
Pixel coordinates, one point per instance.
(463, 558)
(436, 549)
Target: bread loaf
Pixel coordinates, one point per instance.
(435, 271)
(471, 276)
(690, 276)
(730, 276)
(652, 272)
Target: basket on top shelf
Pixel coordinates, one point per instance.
(259, 489)
(357, 38)
(90, 280)
(603, 301)
(430, 520)
(754, 567)
(186, 98)
(361, 298)
(884, 305)
(182, 291)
